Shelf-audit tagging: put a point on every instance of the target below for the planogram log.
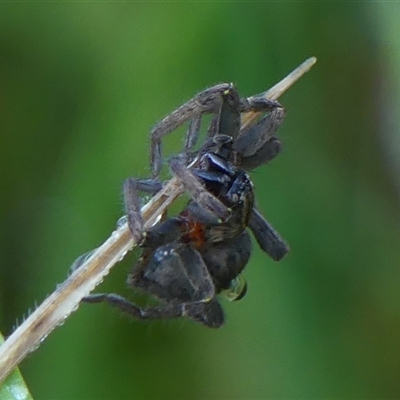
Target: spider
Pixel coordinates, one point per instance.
(189, 259)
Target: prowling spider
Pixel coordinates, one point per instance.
(189, 259)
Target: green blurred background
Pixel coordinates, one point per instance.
(81, 84)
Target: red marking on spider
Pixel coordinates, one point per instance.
(194, 232)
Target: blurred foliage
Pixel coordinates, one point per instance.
(81, 84)
(14, 387)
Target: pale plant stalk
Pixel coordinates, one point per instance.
(66, 297)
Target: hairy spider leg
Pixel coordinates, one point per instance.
(207, 101)
(209, 313)
(198, 192)
(257, 144)
(267, 238)
(132, 209)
